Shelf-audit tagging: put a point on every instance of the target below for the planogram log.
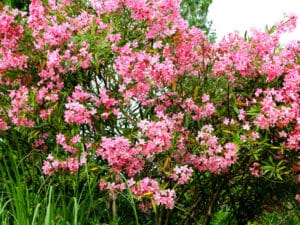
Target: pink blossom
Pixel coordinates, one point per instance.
(47, 168)
(112, 187)
(20, 110)
(254, 135)
(297, 197)
(76, 139)
(241, 115)
(45, 113)
(119, 155)
(78, 113)
(226, 121)
(182, 174)
(166, 198)
(255, 170)
(205, 98)
(243, 137)
(159, 135)
(60, 139)
(157, 44)
(73, 164)
(3, 125)
(246, 126)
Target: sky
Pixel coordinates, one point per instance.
(230, 15)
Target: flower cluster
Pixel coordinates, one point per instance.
(71, 164)
(182, 174)
(148, 188)
(112, 188)
(120, 155)
(158, 134)
(256, 170)
(20, 107)
(166, 198)
(217, 158)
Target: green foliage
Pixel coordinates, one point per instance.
(288, 214)
(224, 218)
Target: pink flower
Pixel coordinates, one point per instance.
(45, 113)
(246, 126)
(3, 125)
(157, 44)
(114, 38)
(78, 113)
(226, 121)
(297, 197)
(76, 139)
(243, 137)
(53, 59)
(205, 98)
(105, 115)
(261, 121)
(282, 134)
(102, 185)
(166, 198)
(182, 174)
(60, 139)
(255, 170)
(254, 135)
(231, 154)
(47, 168)
(120, 156)
(55, 164)
(159, 135)
(241, 114)
(112, 187)
(73, 164)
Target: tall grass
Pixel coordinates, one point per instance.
(27, 197)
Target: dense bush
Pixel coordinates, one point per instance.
(123, 94)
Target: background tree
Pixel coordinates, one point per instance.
(196, 11)
(20, 4)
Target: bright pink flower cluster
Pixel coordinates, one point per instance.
(166, 198)
(3, 125)
(20, 107)
(69, 146)
(40, 144)
(158, 136)
(112, 188)
(182, 174)
(145, 187)
(120, 155)
(78, 113)
(199, 112)
(148, 188)
(71, 164)
(213, 156)
(10, 35)
(256, 170)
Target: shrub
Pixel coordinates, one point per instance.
(176, 126)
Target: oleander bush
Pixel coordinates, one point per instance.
(118, 112)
